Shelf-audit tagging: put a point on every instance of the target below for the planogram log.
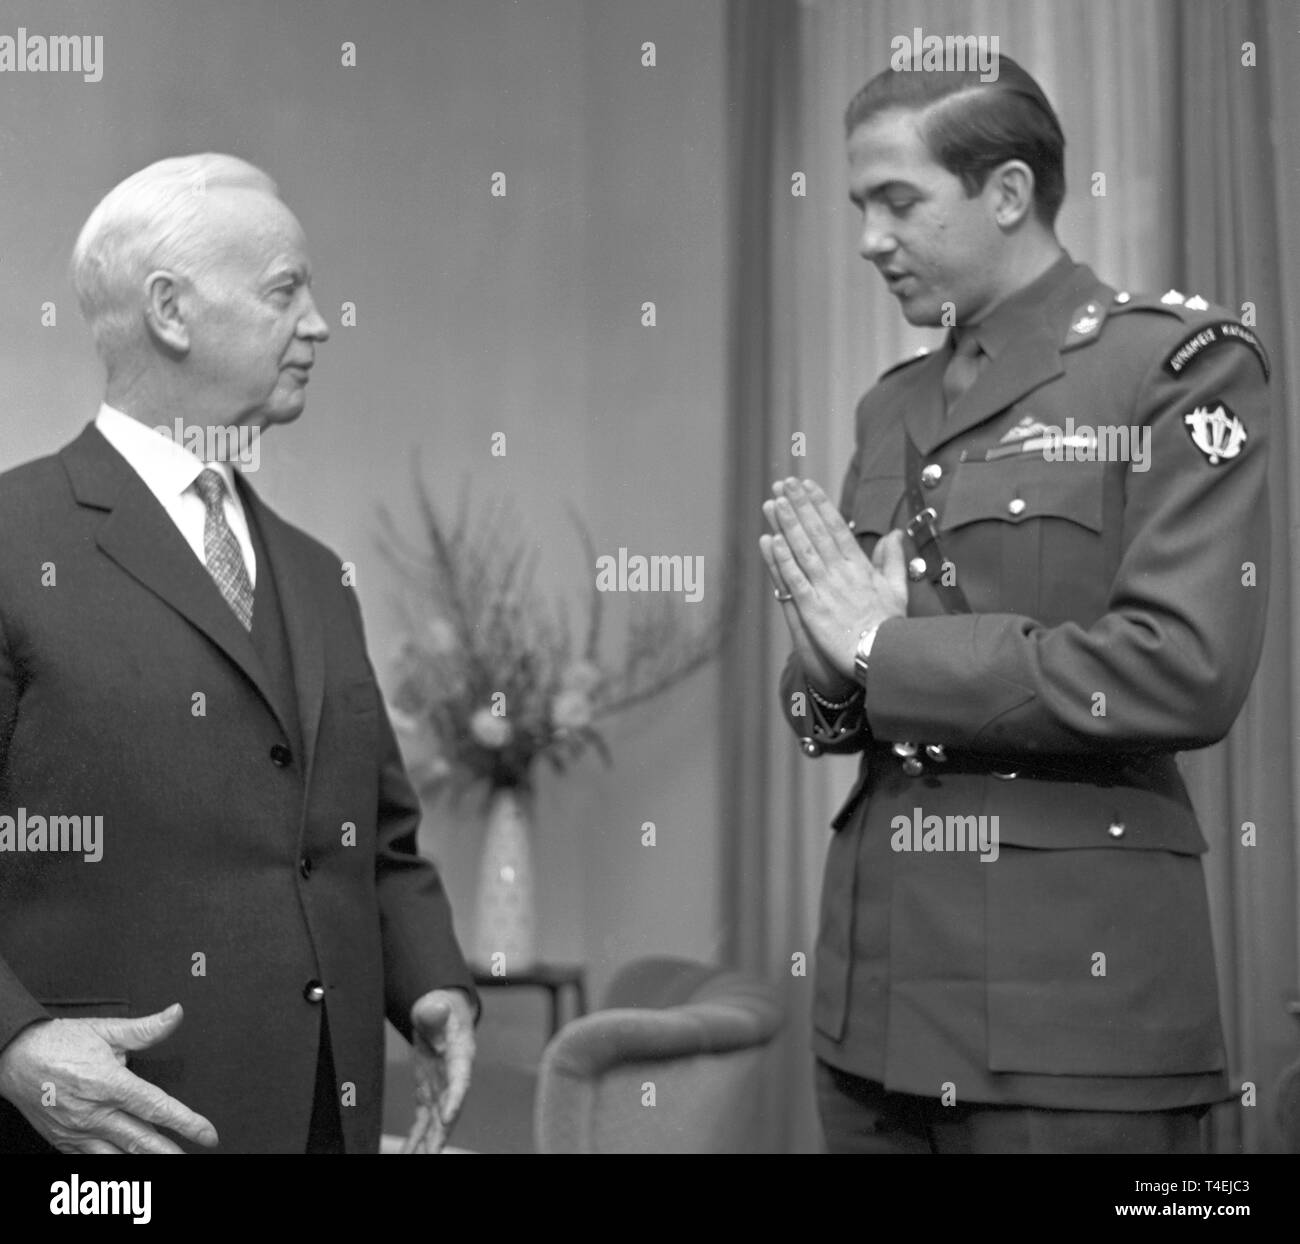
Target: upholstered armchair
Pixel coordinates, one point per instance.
(674, 1063)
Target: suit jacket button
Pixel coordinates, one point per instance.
(314, 992)
(916, 569)
(304, 867)
(281, 756)
(1116, 829)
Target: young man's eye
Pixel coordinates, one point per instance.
(901, 205)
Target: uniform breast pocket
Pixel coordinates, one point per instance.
(1027, 536)
(874, 508)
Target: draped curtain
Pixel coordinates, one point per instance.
(1183, 166)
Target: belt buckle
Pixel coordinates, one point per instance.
(927, 515)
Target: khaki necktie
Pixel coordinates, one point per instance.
(221, 549)
(962, 369)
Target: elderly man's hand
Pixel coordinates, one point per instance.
(836, 590)
(69, 1079)
(443, 1044)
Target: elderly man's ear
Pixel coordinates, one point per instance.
(165, 311)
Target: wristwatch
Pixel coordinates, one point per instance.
(862, 653)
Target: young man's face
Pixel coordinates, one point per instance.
(933, 245)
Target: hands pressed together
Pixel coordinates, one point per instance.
(830, 591)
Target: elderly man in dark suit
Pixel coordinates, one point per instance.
(1047, 575)
(210, 894)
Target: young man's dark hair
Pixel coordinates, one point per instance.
(971, 126)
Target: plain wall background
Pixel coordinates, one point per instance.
(475, 315)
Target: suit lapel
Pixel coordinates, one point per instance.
(139, 536)
(297, 591)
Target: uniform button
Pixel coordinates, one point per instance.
(853, 522)
(304, 867)
(810, 747)
(916, 569)
(1016, 507)
(281, 756)
(1116, 829)
(1122, 296)
(931, 474)
(936, 753)
(913, 767)
(904, 749)
(314, 991)
(1006, 775)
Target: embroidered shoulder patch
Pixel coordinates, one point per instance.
(1216, 432)
(1223, 332)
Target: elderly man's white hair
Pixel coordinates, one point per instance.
(152, 220)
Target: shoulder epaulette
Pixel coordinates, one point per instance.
(1172, 302)
(1208, 325)
(1087, 318)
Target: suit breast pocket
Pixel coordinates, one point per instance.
(1027, 535)
(361, 696)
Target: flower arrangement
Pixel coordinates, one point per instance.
(491, 678)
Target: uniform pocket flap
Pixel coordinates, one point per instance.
(874, 504)
(1055, 815)
(1027, 486)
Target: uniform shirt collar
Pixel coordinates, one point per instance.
(1022, 313)
(162, 462)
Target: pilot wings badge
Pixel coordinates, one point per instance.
(1217, 433)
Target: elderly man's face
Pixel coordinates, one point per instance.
(253, 325)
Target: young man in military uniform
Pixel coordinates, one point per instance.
(1047, 575)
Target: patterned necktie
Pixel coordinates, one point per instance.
(962, 369)
(221, 549)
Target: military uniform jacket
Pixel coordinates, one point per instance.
(1116, 594)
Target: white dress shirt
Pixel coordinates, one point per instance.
(169, 470)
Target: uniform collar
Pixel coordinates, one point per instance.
(1022, 312)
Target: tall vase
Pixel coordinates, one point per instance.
(505, 917)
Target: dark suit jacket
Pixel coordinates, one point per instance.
(230, 881)
(1112, 625)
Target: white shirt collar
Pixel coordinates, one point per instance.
(162, 462)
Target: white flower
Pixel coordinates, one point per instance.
(571, 710)
(581, 676)
(442, 636)
(490, 730)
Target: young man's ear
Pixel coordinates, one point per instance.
(1013, 188)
